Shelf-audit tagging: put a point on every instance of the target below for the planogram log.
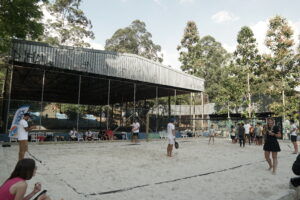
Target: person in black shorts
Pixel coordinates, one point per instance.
(241, 132)
(293, 134)
(271, 144)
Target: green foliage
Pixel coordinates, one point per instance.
(19, 19)
(188, 48)
(230, 95)
(68, 25)
(134, 39)
(282, 67)
(204, 58)
(246, 53)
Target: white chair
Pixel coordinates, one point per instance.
(34, 138)
(80, 137)
(124, 135)
(162, 134)
(13, 139)
(95, 136)
(184, 135)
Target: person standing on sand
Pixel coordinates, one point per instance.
(171, 136)
(135, 130)
(23, 130)
(293, 134)
(247, 127)
(271, 144)
(241, 132)
(211, 134)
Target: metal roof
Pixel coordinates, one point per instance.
(111, 64)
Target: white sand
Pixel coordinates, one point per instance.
(85, 170)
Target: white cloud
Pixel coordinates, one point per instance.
(158, 2)
(229, 48)
(224, 16)
(95, 45)
(186, 1)
(171, 59)
(260, 29)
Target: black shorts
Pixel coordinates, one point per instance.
(258, 137)
(293, 138)
(135, 134)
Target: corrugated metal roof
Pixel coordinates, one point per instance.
(119, 65)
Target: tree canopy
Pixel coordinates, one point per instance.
(135, 39)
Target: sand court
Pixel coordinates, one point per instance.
(119, 170)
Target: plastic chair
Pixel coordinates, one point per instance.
(34, 138)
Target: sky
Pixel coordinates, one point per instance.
(166, 20)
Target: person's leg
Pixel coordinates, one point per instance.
(168, 150)
(295, 147)
(23, 147)
(267, 157)
(244, 141)
(275, 162)
(209, 139)
(240, 140)
(213, 139)
(171, 149)
(249, 138)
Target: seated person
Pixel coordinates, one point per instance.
(95, 135)
(14, 188)
(102, 136)
(73, 134)
(89, 135)
(109, 134)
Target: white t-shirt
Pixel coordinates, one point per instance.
(247, 128)
(22, 133)
(136, 126)
(170, 128)
(211, 132)
(294, 127)
(73, 133)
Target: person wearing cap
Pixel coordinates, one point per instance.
(23, 129)
(171, 136)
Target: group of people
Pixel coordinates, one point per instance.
(247, 132)
(89, 135)
(14, 188)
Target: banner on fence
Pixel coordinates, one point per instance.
(13, 132)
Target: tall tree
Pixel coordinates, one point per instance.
(68, 24)
(19, 19)
(230, 95)
(188, 48)
(135, 39)
(282, 67)
(212, 59)
(247, 58)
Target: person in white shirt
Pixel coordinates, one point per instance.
(247, 127)
(23, 129)
(293, 134)
(171, 136)
(73, 134)
(135, 130)
(89, 135)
